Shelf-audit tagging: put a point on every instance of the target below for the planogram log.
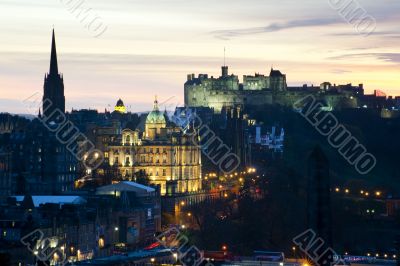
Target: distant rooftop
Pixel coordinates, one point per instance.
(38, 200)
(125, 186)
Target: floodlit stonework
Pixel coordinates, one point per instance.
(162, 152)
(227, 91)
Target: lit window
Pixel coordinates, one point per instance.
(101, 242)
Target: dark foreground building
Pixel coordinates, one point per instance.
(53, 97)
(112, 220)
(318, 196)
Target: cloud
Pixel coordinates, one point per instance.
(386, 57)
(390, 34)
(273, 27)
(340, 71)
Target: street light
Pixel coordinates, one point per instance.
(294, 252)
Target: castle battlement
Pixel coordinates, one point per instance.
(260, 89)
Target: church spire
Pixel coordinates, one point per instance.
(53, 58)
(53, 89)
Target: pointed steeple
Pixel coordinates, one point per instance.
(53, 58)
(53, 89)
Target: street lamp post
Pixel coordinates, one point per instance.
(294, 253)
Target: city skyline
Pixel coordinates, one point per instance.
(127, 58)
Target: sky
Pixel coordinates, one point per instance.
(135, 49)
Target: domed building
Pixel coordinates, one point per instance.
(120, 107)
(163, 152)
(155, 122)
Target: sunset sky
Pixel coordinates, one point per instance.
(150, 46)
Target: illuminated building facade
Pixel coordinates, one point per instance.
(227, 91)
(166, 155)
(120, 107)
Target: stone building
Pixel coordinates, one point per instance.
(53, 88)
(38, 161)
(114, 218)
(6, 184)
(161, 152)
(120, 107)
(227, 91)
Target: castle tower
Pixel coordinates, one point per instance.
(224, 71)
(53, 96)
